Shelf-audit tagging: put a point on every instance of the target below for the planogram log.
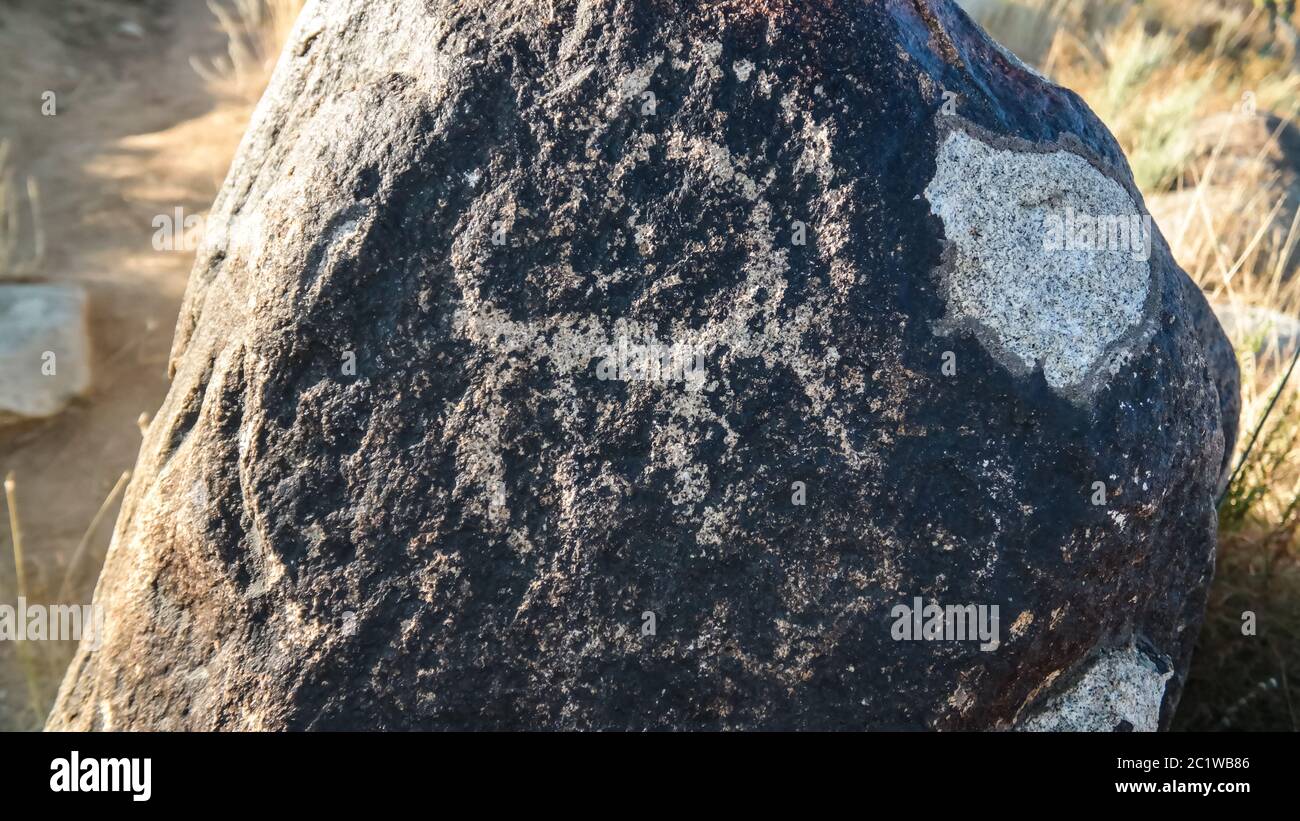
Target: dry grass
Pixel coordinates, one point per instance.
(1165, 75)
(31, 667)
(22, 241)
(255, 31)
(49, 580)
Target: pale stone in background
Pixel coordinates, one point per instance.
(36, 321)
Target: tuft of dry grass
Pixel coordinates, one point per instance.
(28, 663)
(255, 32)
(37, 581)
(22, 241)
(1177, 83)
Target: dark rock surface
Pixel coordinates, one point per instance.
(481, 204)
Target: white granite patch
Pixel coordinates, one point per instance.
(1031, 307)
(1121, 685)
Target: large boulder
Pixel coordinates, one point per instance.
(632, 364)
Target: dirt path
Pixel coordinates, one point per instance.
(136, 135)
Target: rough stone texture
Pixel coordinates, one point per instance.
(44, 350)
(1121, 690)
(471, 530)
